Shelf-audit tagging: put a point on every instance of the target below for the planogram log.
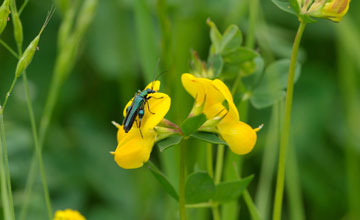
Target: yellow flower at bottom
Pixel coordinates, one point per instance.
(68, 214)
(240, 137)
(134, 148)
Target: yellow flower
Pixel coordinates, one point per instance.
(336, 9)
(68, 214)
(330, 9)
(133, 150)
(211, 94)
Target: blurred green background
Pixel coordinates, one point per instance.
(118, 56)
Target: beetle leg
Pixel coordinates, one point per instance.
(148, 105)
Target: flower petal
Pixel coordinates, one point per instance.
(68, 214)
(159, 105)
(154, 85)
(134, 150)
(240, 137)
(202, 89)
(233, 113)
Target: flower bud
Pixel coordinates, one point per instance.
(18, 29)
(26, 58)
(329, 9)
(4, 14)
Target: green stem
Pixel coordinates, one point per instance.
(6, 192)
(37, 147)
(268, 163)
(9, 93)
(253, 14)
(23, 6)
(286, 126)
(9, 49)
(182, 175)
(217, 178)
(251, 206)
(219, 163)
(209, 161)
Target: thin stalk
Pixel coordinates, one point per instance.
(182, 176)
(9, 49)
(23, 6)
(6, 195)
(251, 206)
(217, 178)
(286, 125)
(253, 14)
(219, 163)
(268, 164)
(209, 161)
(9, 93)
(348, 78)
(37, 147)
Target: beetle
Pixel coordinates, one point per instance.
(137, 109)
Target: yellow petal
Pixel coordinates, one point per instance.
(240, 137)
(159, 105)
(336, 9)
(202, 89)
(68, 214)
(233, 113)
(134, 150)
(154, 85)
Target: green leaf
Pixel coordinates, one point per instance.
(199, 188)
(232, 38)
(239, 55)
(276, 74)
(190, 125)
(208, 137)
(272, 86)
(169, 142)
(251, 81)
(163, 180)
(285, 6)
(229, 191)
(264, 99)
(216, 62)
(295, 5)
(215, 35)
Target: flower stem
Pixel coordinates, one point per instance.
(6, 192)
(9, 48)
(37, 146)
(286, 125)
(209, 161)
(182, 175)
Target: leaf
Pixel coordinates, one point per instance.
(190, 125)
(272, 86)
(215, 35)
(163, 180)
(295, 5)
(276, 74)
(232, 38)
(199, 188)
(169, 142)
(216, 62)
(239, 55)
(285, 6)
(229, 191)
(251, 81)
(263, 99)
(208, 137)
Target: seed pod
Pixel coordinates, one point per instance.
(18, 29)
(27, 56)
(4, 14)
